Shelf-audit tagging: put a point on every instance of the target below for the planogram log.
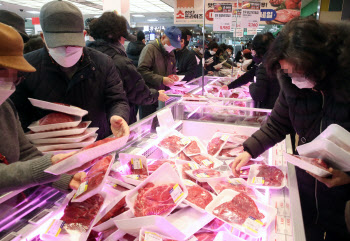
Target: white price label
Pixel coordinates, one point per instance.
(188, 183)
(136, 163)
(202, 175)
(224, 137)
(133, 176)
(176, 193)
(82, 188)
(150, 236)
(253, 224)
(193, 166)
(258, 180)
(207, 162)
(55, 227)
(234, 182)
(185, 141)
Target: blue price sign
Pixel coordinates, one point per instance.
(267, 14)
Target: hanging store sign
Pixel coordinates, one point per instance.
(250, 14)
(222, 17)
(239, 33)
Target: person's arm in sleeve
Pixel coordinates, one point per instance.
(191, 68)
(273, 131)
(244, 79)
(226, 64)
(146, 62)
(258, 90)
(115, 97)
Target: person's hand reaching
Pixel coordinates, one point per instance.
(119, 126)
(239, 162)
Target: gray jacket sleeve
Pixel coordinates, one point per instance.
(146, 62)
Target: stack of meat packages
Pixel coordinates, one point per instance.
(62, 130)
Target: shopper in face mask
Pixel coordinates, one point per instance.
(109, 32)
(21, 164)
(157, 62)
(209, 56)
(67, 72)
(315, 93)
(186, 62)
(226, 56)
(199, 52)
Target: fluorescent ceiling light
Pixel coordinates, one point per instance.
(138, 15)
(33, 12)
(97, 16)
(152, 20)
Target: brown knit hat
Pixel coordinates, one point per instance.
(11, 50)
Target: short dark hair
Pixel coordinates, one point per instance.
(184, 33)
(35, 42)
(223, 46)
(262, 42)
(229, 47)
(140, 35)
(213, 45)
(109, 27)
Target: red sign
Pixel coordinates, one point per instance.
(180, 14)
(209, 15)
(36, 21)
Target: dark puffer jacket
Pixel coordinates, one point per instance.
(308, 112)
(186, 64)
(95, 86)
(135, 87)
(265, 90)
(134, 50)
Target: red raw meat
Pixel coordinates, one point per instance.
(156, 164)
(172, 143)
(192, 148)
(55, 118)
(98, 143)
(142, 171)
(186, 167)
(184, 157)
(231, 152)
(285, 15)
(200, 158)
(222, 185)
(215, 145)
(154, 200)
(79, 215)
(118, 209)
(174, 77)
(101, 165)
(272, 175)
(234, 95)
(209, 172)
(199, 196)
(214, 224)
(205, 236)
(238, 210)
(314, 161)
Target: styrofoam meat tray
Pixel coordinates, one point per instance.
(64, 132)
(68, 109)
(84, 143)
(254, 171)
(227, 195)
(200, 145)
(207, 179)
(40, 128)
(217, 163)
(67, 139)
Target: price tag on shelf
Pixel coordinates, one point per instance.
(150, 236)
(136, 163)
(253, 224)
(258, 180)
(82, 188)
(55, 227)
(176, 193)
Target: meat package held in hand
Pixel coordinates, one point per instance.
(101, 165)
(98, 143)
(231, 152)
(314, 161)
(238, 210)
(206, 172)
(174, 77)
(153, 166)
(154, 200)
(236, 186)
(79, 215)
(214, 145)
(205, 236)
(137, 168)
(214, 224)
(172, 143)
(55, 118)
(199, 196)
(272, 175)
(118, 209)
(203, 160)
(192, 148)
(183, 156)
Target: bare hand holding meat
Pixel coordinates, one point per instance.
(119, 126)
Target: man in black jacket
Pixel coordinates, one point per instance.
(186, 62)
(69, 73)
(109, 32)
(134, 48)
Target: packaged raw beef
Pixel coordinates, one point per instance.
(247, 165)
(134, 179)
(55, 121)
(264, 176)
(195, 147)
(194, 97)
(95, 178)
(183, 166)
(133, 164)
(217, 142)
(242, 212)
(314, 165)
(230, 152)
(114, 209)
(153, 165)
(214, 225)
(205, 236)
(338, 135)
(67, 146)
(244, 173)
(149, 235)
(236, 138)
(197, 196)
(205, 174)
(207, 161)
(87, 154)
(56, 118)
(183, 156)
(173, 143)
(159, 194)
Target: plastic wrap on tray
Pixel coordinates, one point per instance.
(197, 197)
(195, 147)
(153, 165)
(264, 176)
(207, 161)
(205, 174)
(183, 166)
(173, 143)
(217, 142)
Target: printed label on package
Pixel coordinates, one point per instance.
(136, 163)
(82, 188)
(253, 224)
(258, 180)
(133, 176)
(202, 175)
(150, 236)
(193, 166)
(55, 227)
(207, 162)
(176, 193)
(185, 141)
(224, 137)
(234, 182)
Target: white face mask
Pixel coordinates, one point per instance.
(168, 48)
(6, 89)
(229, 53)
(303, 83)
(212, 52)
(66, 56)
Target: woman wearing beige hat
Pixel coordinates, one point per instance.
(21, 164)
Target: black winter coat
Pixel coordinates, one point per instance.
(265, 90)
(96, 87)
(308, 112)
(216, 61)
(244, 79)
(134, 50)
(186, 64)
(135, 87)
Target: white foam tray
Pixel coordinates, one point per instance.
(71, 110)
(40, 128)
(67, 139)
(86, 142)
